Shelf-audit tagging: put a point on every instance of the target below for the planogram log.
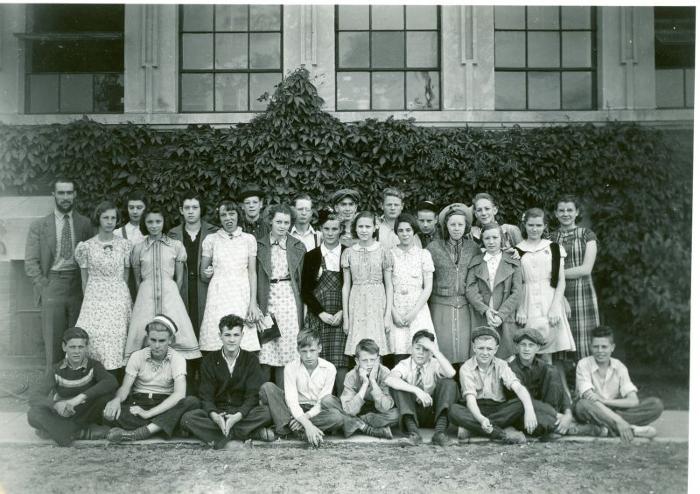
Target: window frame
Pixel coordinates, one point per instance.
(675, 66)
(404, 69)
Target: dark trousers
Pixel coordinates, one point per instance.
(193, 376)
(167, 420)
(444, 395)
(201, 425)
(330, 418)
(60, 307)
(553, 392)
(504, 414)
(63, 429)
(368, 413)
(648, 410)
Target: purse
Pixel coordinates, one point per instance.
(268, 329)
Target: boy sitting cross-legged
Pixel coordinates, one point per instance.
(229, 389)
(424, 389)
(307, 407)
(484, 379)
(607, 396)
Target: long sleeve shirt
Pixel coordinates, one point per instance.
(223, 391)
(353, 401)
(304, 388)
(65, 382)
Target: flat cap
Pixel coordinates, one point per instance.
(250, 190)
(75, 332)
(341, 194)
(529, 333)
(427, 206)
(486, 331)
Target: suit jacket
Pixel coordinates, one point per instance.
(40, 250)
(295, 260)
(309, 278)
(507, 286)
(202, 286)
(237, 392)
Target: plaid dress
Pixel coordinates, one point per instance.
(580, 291)
(329, 293)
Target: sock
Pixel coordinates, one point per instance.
(441, 423)
(142, 433)
(410, 424)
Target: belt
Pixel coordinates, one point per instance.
(279, 280)
(64, 274)
(150, 396)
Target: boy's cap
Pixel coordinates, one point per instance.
(427, 206)
(341, 194)
(529, 333)
(486, 331)
(75, 332)
(251, 190)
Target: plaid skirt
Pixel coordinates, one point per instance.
(329, 292)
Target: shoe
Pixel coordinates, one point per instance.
(380, 432)
(592, 430)
(514, 436)
(118, 435)
(550, 437)
(264, 434)
(413, 439)
(463, 434)
(42, 434)
(220, 444)
(643, 431)
(93, 432)
(440, 439)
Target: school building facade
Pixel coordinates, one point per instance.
(173, 65)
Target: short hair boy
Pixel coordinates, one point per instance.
(306, 407)
(392, 205)
(424, 389)
(229, 390)
(302, 229)
(606, 394)
(426, 215)
(69, 401)
(252, 199)
(484, 379)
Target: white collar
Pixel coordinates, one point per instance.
(309, 231)
(542, 244)
(497, 256)
(236, 233)
(371, 248)
(335, 250)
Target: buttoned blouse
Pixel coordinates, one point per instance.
(486, 384)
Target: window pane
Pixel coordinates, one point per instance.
(197, 51)
(265, 17)
(421, 17)
(689, 88)
(77, 56)
(259, 85)
(543, 91)
(265, 51)
(353, 50)
(109, 93)
(73, 18)
(423, 90)
(196, 92)
(543, 17)
(353, 91)
(510, 90)
(232, 51)
(387, 50)
(509, 17)
(575, 17)
(387, 91)
(387, 17)
(231, 92)
(576, 49)
(197, 17)
(542, 49)
(510, 49)
(76, 93)
(43, 93)
(669, 88)
(576, 91)
(353, 17)
(421, 49)
(231, 17)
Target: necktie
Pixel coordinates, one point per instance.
(419, 377)
(66, 240)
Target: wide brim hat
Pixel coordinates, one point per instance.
(467, 210)
(341, 194)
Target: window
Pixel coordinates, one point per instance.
(230, 55)
(75, 59)
(674, 50)
(545, 58)
(387, 57)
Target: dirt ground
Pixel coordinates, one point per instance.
(531, 468)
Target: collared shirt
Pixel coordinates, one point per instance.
(426, 238)
(257, 228)
(488, 384)
(407, 370)
(59, 263)
(278, 244)
(331, 257)
(153, 376)
(534, 378)
(302, 388)
(130, 232)
(352, 401)
(230, 363)
(492, 262)
(615, 384)
(311, 238)
(65, 364)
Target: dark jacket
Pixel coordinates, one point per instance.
(310, 276)
(231, 393)
(507, 286)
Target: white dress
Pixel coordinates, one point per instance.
(536, 265)
(229, 287)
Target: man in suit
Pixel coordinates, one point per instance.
(194, 288)
(50, 263)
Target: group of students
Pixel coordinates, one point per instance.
(426, 296)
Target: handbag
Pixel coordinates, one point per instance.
(268, 329)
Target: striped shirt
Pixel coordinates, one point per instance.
(66, 382)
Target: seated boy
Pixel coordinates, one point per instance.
(70, 399)
(606, 394)
(365, 393)
(229, 390)
(484, 379)
(157, 375)
(424, 389)
(306, 407)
